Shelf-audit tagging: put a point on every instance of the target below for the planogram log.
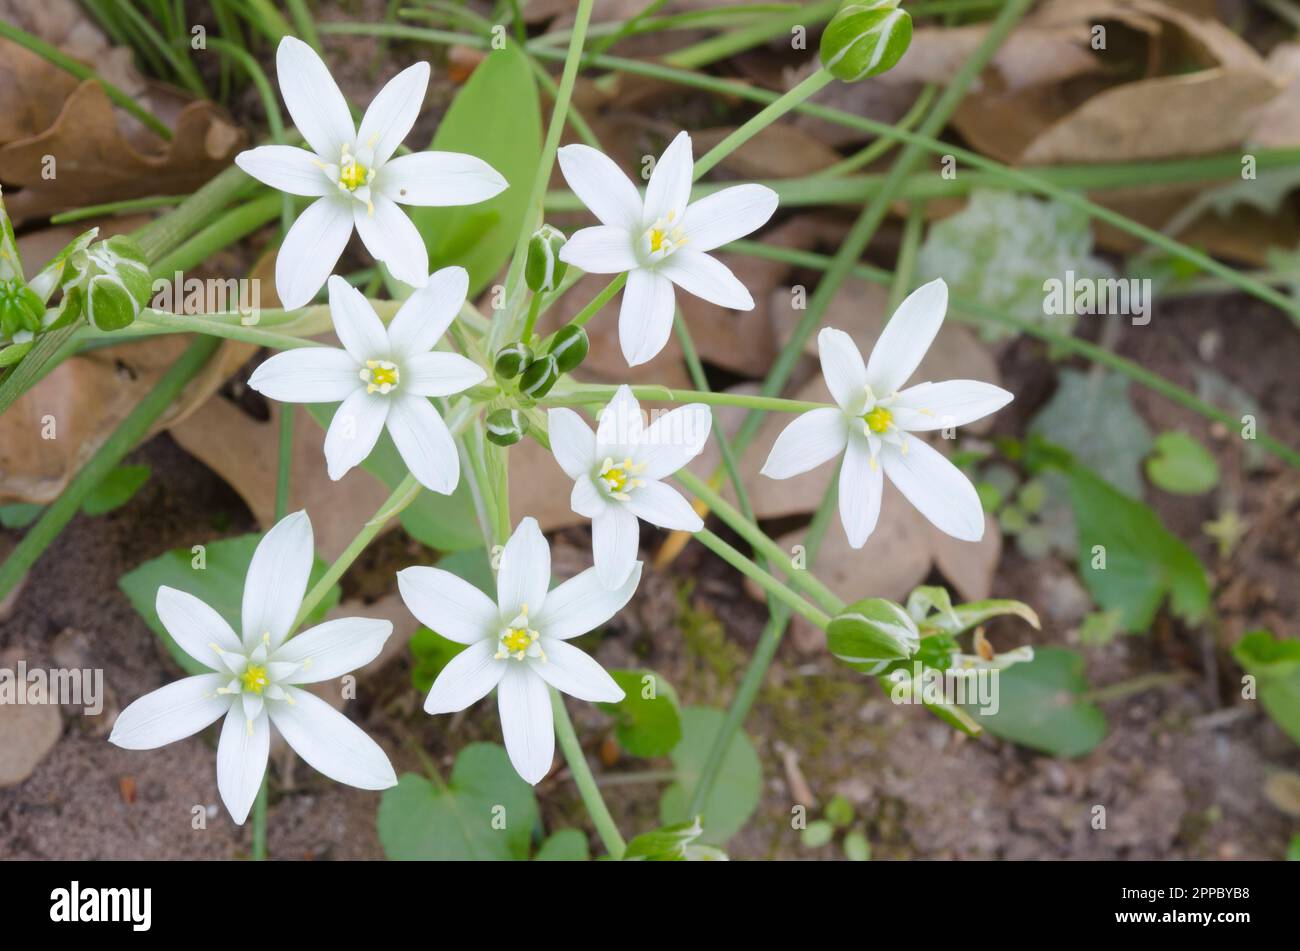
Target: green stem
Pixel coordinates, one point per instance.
(235, 224)
(70, 65)
(586, 783)
(124, 438)
(259, 821)
(534, 308)
(767, 582)
(765, 117)
(586, 393)
(127, 206)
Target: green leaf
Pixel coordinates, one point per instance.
(1275, 663)
(817, 834)
(1094, 419)
(443, 522)
(565, 845)
(484, 812)
(1182, 465)
(839, 811)
(220, 584)
(735, 794)
(116, 490)
(645, 727)
(1040, 705)
(1127, 558)
(497, 117)
(674, 843)
(857, 848)
(19, 514)
(963, 617)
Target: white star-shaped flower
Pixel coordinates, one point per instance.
(384, 378)
(616, 474)
(256, 678)
(353, 176)
(519, 644)
(660, 241)
(874, 421)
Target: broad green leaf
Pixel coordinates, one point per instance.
(1094, 419)
(674, 843)
(735, 794)
(646, 726)
(443, 522)
(485, 811)
(1275, 664)
(817, 834)
(19, 514)
(565, 845)
(497, 117)
(219, 583)
(116, 490)
(1127, 558)
(1040, 705)
(1182, 465)
(857, 848)
(839, 811)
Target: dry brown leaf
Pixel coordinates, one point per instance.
(95, 162)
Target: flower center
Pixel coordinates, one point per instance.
(518, 640)
(254, 678)
(381, 375)
(879, 419)
(664, 237)
(620, 477)
(352, 174)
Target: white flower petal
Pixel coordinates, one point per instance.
(930, 406)
(277, 580)
(287, 168)
(728, 215)
(424, 443)
(843, 369)
(171, 713)
(467, 678)
(907, 337)
(391, 114)
(570, 670)
(813, 438)
(572, 443)
(427, 313)
(661, 505)
(673, 440)
(313, 98)
(524, 573)
(601, 186)
(586, 499)
(645, 318)
(937, 489)
(330, 742)
(241, 760)
(524, 704)
(197, 628)
(670, 183)
(707, 278)
(354, 430)
(334, 648)
(311, 249)
(439, 374)
(861, 484)
(600, 250)
(448, 604)
(307, 375)
(391, 237)
(356, 324)
(583, 604)
(615, 541)
(620, 425)
(439, 179)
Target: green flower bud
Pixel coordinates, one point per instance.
(511, 360)
(505, 427)
(20, 308)
(116, 282)
(14, 352)
(539, 377)
(543, 269)
(11, 265)
(871, 633)
(570, 347)
(865, 39)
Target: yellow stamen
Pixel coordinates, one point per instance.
(879, 419)
(254, 678)
(380, 375)
(352, 175)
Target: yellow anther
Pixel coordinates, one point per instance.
(879, 420)
(352, 175)
(380, 375)
(254, 678)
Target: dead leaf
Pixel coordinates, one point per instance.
(28, 731)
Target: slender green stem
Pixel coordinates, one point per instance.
(284, 466)
(599, 301)
(765, 117)
(534, 308)
(586, 783)
(767, 582)
(770, 550)
(303, 23)
(235, 224)
(70, 65)
(193, 213)
(717, 48)
(587, 393)
(124, 438)
(259, 820)
(127, 206)
(880, 146)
